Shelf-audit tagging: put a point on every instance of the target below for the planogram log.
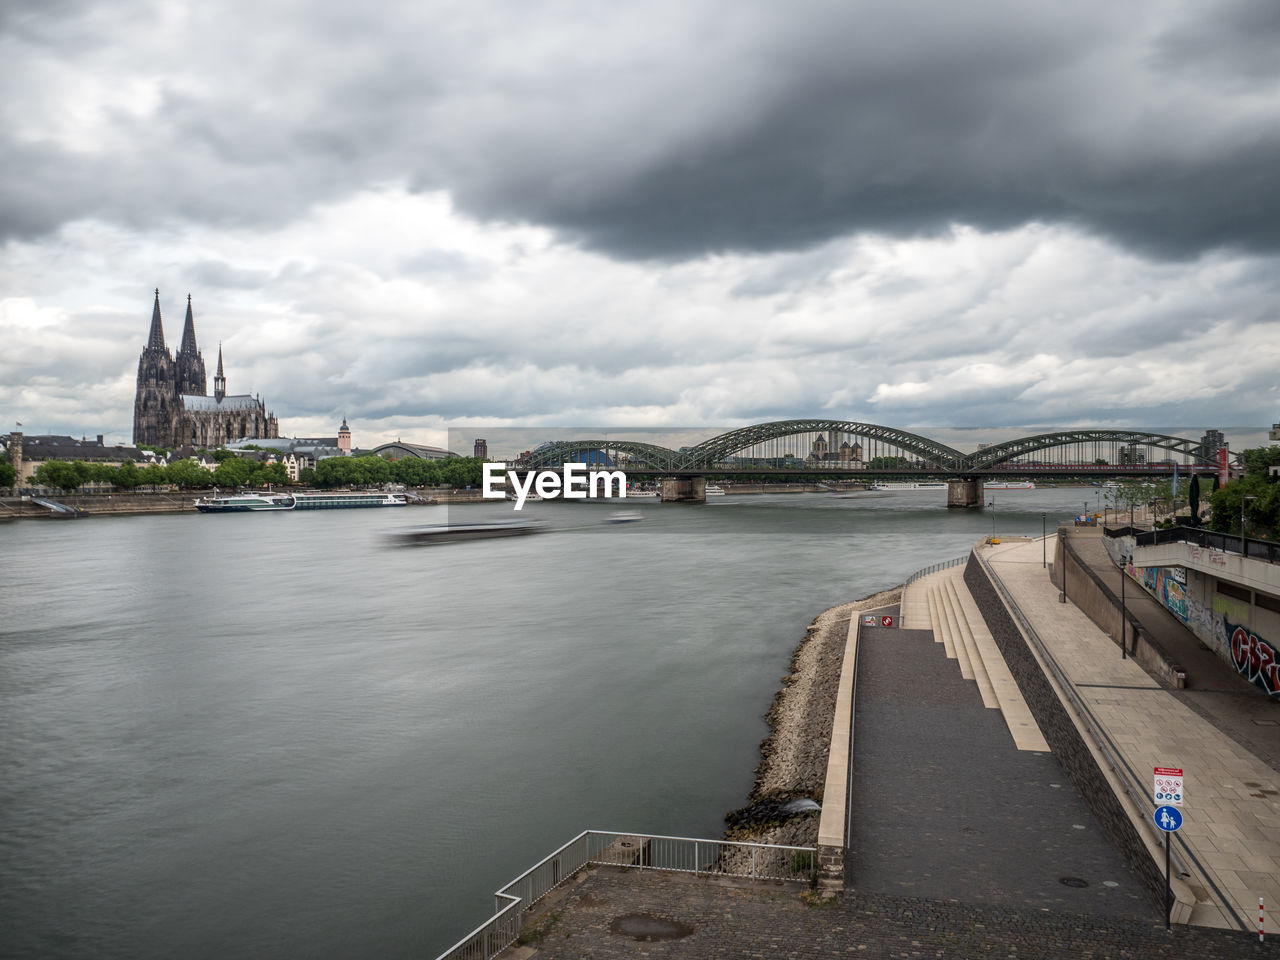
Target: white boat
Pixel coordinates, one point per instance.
(908, 485)
(530, 497)
(245, 503)
(626, 516)
(347, 499)
(458, 532)
(714, 491)
(642, 494)
(1009, 485)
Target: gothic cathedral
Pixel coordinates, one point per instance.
(172, 407)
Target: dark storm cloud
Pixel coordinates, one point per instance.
(672, 131)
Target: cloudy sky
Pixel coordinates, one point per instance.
(422, 215)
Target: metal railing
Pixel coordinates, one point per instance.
(934, 568)
(755, 861)
(1267, 550)
(1134, 786)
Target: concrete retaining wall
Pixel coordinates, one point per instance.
(1101, 604)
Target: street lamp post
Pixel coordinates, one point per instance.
(1044, 540)
(1243, 533)
(992, 505)
(1124, 612)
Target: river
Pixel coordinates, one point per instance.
(277, 734)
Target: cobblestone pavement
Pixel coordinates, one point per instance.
(946, 806)
(765, 921)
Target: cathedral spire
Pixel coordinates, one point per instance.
(156, 338)
(189, 331)
(219, 381)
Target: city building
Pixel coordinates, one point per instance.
(172, 406)
(481, 449)
(403, 448)
(1211, 443)
(26, 453)
(847, 455)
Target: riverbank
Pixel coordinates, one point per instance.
(793, 758)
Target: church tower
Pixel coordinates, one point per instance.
(155, 405)
(190, 362)
(344, 438)
(219, 381)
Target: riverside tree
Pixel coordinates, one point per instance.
(1253, 498)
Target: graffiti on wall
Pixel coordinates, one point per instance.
(1169, 584)
(1255, 659)
(1219, 625)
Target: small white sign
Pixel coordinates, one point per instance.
(1168, 785)
(869, 621)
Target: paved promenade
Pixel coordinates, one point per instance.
(1232, 826)
(945, 806)
(728, 921)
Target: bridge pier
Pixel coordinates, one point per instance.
(964, 493)
(684, 489)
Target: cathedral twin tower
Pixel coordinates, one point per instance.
(172, 406)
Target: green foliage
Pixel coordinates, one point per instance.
(153, 475)
(1259, 461)
(158, 451)
(307, 475)
(1261, 501)
(188, 475)
(7, 474)
(273, 474)
(63, 474)
(127, 475)
(233, 471)
(222, 454)
(1135, 493)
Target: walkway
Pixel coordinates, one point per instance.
(946, 806)
(1232, 813)
(731, 921)
(1214, 689)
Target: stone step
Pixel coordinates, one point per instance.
(914, 610)
(940, 633)
(966, 635)
(951, 628)
(1022, 726)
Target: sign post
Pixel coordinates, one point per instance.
(1169, 795)
(1168, 785)
(1168, 819)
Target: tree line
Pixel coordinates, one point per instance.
(235, 471)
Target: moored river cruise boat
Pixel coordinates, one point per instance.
(1008, 485)
(346, 499)
(245, 503)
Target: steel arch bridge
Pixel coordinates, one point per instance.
(1002, 453)
(647, 455)
(713, 451)
(715, 454)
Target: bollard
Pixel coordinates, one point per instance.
(1260, 915)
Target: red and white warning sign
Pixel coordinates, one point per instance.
(1168, 785)
(869, 620)
(886, 621)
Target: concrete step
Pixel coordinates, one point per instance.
(966, 635)
(940, 633)
(950, 627)
(1017, 715)
(914, 610)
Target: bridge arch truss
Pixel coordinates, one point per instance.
(1004, 454)
(716, 451)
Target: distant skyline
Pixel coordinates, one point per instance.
(423, 215)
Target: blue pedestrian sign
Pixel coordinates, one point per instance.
(1168, 818)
